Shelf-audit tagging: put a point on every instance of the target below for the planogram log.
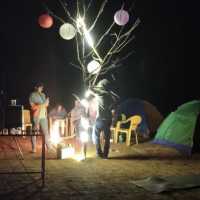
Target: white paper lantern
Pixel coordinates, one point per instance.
(121, 17)
(93, 67)
(67, 31)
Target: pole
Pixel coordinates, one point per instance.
(43, 161)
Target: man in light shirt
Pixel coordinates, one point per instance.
(39, 104)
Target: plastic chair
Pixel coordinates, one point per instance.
(26, 120)
(134, 122)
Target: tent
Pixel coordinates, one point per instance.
(151, 117)
(178, 129)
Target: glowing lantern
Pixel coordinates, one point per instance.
(45, 21)
(121, 17)
(67, 31)
(93, 67)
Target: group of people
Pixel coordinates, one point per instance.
(98, 110)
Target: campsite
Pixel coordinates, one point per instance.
(145, 170)
(63, 177)
(99, 99)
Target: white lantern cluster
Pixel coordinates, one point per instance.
(67, 31)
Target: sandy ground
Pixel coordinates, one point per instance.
(93, 178)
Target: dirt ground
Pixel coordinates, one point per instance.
(93, 178)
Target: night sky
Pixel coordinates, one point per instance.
(162, 70)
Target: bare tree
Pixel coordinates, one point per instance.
(87, 49)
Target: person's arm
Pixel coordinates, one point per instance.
(75, 115)
(37, 105)
(34, 106)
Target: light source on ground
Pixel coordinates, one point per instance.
(67, 152)
(79, 157)
(93, 67)
(55, 133)
(67, 31)
(121, 17)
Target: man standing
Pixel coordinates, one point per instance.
(39, 104)
(105, 100)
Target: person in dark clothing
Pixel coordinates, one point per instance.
(105, 99)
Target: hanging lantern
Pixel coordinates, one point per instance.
(67, 31)
(121, 17)
(45, 21)
(93, 67)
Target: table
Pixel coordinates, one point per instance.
(29, 134)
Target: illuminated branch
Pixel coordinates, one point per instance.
(102, 37)
(89, 4)
(75, 65)
(115, 43)
(98, 15)
(132, 28)
(116, 64)
(78, 53)
(64, 5)
(123, 44)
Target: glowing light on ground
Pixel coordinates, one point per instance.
(79, 157)
(67, 152)
(55, 134)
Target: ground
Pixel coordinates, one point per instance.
(93, 178)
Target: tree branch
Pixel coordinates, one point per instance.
(75, 65)
(98, 15)
(64, 5)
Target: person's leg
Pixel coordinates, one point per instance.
(36, 127)
(77, 128)
(45, 131)
(107, 134)
(62, 127)
(97, 131)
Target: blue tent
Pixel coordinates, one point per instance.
(132, 107)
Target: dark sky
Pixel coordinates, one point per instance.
(163, 69)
